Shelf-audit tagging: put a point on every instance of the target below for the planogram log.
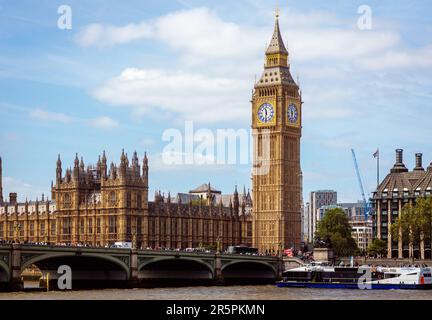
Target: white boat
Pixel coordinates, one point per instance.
(321, 275)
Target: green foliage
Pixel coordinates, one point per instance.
(415, 222)
(197, 202)
(211, 247)
(334, 232)
(378, 247)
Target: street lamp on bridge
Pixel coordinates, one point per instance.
(17, 229)
(218, 244)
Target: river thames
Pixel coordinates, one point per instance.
(262, 292)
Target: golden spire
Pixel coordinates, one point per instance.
(276, 43)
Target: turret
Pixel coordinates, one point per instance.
(104, 166)
(221, 212)
(123, 165)
(59, 171)
(113, 171)
(82, 165)
(98, 168)
(209, 195)
(68, 175)
(76, 168)
(236, 202)
(145, 169)
(135, 161)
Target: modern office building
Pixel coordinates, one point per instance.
(318, 199)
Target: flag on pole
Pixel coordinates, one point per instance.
(376, 154)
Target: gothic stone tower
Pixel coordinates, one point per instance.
(276, 124)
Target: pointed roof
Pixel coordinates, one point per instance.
(205, 188)
(276, 44)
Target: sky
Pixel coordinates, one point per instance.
(128, 71)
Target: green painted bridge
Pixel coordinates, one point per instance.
(134, 268)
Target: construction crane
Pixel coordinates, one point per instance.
(367, 206)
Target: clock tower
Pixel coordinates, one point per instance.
(277, 126)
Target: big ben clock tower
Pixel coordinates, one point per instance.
(277, 125)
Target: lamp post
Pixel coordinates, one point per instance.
(218, 244)
(134, 240)
(17, 228)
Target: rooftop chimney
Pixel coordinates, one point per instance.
(12, 198)
(399, 165)
(419, 162)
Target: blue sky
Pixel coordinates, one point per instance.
(125, 73)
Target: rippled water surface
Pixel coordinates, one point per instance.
(222, 293)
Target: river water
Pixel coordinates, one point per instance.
(262, 292)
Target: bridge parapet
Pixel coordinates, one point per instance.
(132, 266)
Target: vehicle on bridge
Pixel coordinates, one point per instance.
(242, 250)
(123, 245)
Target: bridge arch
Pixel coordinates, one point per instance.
(176, 268)
(249, 269)
(85, 266)
(4, 272)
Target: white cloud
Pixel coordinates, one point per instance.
(201, 35)
(147, 142)
(338, 43)
(400, 59)
(197, 32)
(103, 123)
(193, 96)
(22, 188)
(50, 116)
(106, 35)
(204, 163)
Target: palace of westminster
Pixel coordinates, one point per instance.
(102, 204)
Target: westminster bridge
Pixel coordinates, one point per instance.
(115, 267)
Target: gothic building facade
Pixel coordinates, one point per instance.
(99, 205)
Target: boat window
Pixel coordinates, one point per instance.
(411, 274)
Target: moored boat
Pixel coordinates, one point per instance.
(363, 277)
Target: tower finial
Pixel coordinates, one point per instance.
(277, 12)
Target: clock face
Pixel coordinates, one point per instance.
(292, 113)
(265, 112)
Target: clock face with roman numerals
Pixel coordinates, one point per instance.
(266, 112)
(292, 113)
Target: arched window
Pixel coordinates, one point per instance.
(112, 198)
(128, 199)
(67, 200)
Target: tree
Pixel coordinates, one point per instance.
(378, 247)
(334, 232)
(415, 223)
